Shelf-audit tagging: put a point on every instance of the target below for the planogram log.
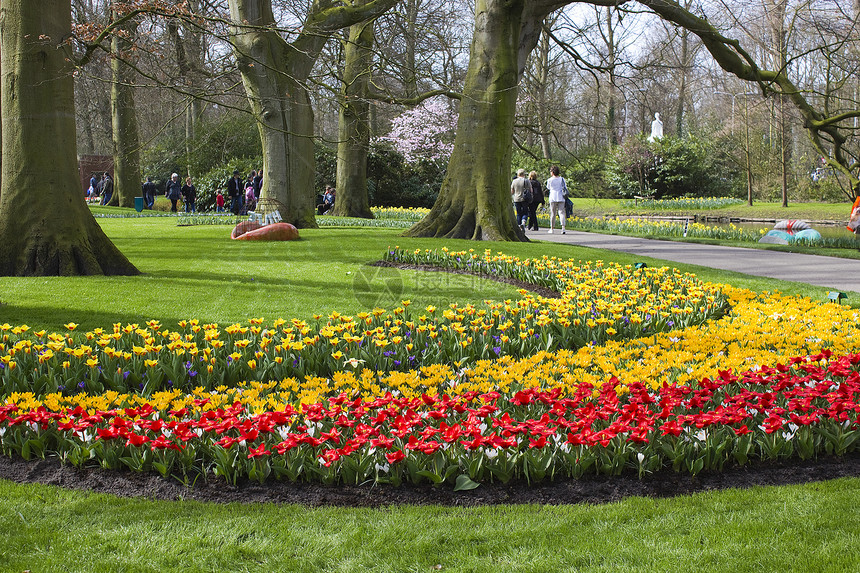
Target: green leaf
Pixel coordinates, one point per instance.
(162, 469)
(465, 483)
(432, 476)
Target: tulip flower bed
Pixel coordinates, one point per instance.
(600, 303)
(630, 370)
(682, 203)
(807, 407)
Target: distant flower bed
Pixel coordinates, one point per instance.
(322, 221)
(210, 219)
(400, 213)
(136, 215)
(329, 221)
(682, 204)
(665, 229)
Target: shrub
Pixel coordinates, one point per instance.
(669, 167)
(217, 177)
(218, 142)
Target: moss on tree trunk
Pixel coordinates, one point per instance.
(45, 226)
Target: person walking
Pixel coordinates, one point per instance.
(258, 184)
(219, 202)
(174, 191)
(235, 191)
(189, 195)
(521, 196)
(149, 193)
(107, 189)
(250, 199)
(537, 200)
(557, 194)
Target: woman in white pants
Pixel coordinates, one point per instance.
(557, 193)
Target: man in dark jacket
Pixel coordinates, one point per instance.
(107, 189)
(258, 183)
(149, 193)
(235, 192)
(189, 195)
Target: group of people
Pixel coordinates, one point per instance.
(175, 190)
(101, 185)
(327, 200)
(243, 194)
(528, 194)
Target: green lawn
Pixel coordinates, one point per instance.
(775, 529)
(197, 272)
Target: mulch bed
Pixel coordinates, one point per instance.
(590, 489)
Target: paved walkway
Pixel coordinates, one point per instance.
(829, 272)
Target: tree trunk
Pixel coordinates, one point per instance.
(776, 11)
(126, 138)
(611, 63)
(410, 81)
(542, 83)
(475, 202)
(748, 152)
(189, 49)
(682, 84)
(45, 226)
(273, 74)
(354, 125)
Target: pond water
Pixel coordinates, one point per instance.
(827, 231)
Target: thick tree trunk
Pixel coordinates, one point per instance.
(273, 74)
(126, 138)
(354, 125)
(45, 226)
(475, 202)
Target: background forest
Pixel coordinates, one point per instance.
(588, 95)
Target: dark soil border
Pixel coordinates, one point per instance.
(589, 489)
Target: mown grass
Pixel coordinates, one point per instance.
(799, 528)
(197, 272)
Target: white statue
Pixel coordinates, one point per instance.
(656, 128)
